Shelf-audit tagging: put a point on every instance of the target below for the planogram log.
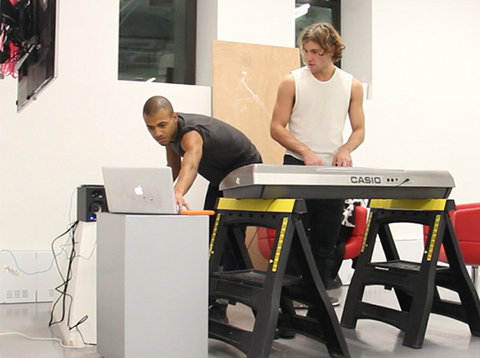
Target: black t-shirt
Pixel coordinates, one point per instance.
(225, 148)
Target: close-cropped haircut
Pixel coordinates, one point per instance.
(326, 36)
(156, 103)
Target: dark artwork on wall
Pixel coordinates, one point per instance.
(27, 46)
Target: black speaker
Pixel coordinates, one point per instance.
(91, 200)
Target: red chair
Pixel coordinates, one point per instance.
(266, 236)
(466, 223)
(354, 242)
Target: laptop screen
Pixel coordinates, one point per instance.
(139, 190)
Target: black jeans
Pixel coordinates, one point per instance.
(213, 193)
(229, 260)
(322, 224)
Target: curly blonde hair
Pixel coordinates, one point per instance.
(326, 36)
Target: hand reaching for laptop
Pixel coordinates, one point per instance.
(181, 203)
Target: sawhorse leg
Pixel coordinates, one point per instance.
(263, 291)
(415, 284)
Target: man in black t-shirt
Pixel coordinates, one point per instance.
(208, 146)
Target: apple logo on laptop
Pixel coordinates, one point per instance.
(138, 190)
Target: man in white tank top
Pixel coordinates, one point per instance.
(308, 120)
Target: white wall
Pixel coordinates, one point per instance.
(356, 31)
(424, 110)
(264, 22)
(207, 14)
(422, 114)
(83, 120)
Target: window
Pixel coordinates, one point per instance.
(157, 41)
(308, 12)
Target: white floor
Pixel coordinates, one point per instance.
(445, 338)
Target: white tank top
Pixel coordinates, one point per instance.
(318, 115)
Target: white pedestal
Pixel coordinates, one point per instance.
(152, 286)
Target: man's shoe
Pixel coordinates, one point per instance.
(334, 301)
(332, 284)
(286, 333)
(300, 306)
(218, 312)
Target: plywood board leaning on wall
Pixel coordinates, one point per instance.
(245, 82)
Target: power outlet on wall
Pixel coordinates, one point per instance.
(27, 276)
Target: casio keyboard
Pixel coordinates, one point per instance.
(274, 181)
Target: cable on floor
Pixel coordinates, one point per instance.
(44, 339)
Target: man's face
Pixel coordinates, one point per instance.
(315, 57)
(162, 126)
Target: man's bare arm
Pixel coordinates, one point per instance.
(357, 122)
(192, 144)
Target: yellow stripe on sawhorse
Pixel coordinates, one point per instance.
(408, 204)
(281, 238)
(434, 237)
(260, 205)
(365, 235)
(214, 233)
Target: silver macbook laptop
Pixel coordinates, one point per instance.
(139, 190)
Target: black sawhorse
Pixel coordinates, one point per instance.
(268, 292)
(415, 284)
